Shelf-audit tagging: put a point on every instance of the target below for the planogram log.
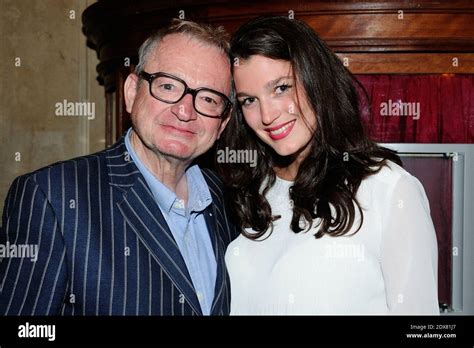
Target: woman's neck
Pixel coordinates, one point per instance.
(286, 173)
(290, 171)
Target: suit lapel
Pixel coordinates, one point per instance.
(215, 225)
(211, 222)
(139, 209)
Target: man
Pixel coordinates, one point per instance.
(136, 229)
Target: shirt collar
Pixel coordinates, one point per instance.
(199, 196)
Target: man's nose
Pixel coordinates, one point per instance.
(184, 109)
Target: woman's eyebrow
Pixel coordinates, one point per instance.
(242, 94)
(269, 85)
(272, 83)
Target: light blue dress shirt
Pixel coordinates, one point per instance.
(188, 226)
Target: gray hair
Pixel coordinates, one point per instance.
(217, 37)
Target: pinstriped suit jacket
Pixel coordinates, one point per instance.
(104, 246)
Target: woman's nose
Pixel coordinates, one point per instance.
(269, 112)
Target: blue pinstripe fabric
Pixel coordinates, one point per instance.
(104, 246)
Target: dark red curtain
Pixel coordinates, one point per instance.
(445, 102)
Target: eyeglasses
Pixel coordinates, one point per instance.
(171, 89)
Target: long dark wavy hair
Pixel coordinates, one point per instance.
(340, 156)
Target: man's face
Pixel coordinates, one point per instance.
(177, 131)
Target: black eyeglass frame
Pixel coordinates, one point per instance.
(187, 90)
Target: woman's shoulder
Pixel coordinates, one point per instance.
(389, 178)
(389, 174)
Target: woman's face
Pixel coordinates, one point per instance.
(273, 107)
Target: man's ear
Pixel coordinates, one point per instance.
(224, 124)
(130, 91)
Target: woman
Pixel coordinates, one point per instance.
(331, 223)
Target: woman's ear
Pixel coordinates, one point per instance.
(130, 91)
